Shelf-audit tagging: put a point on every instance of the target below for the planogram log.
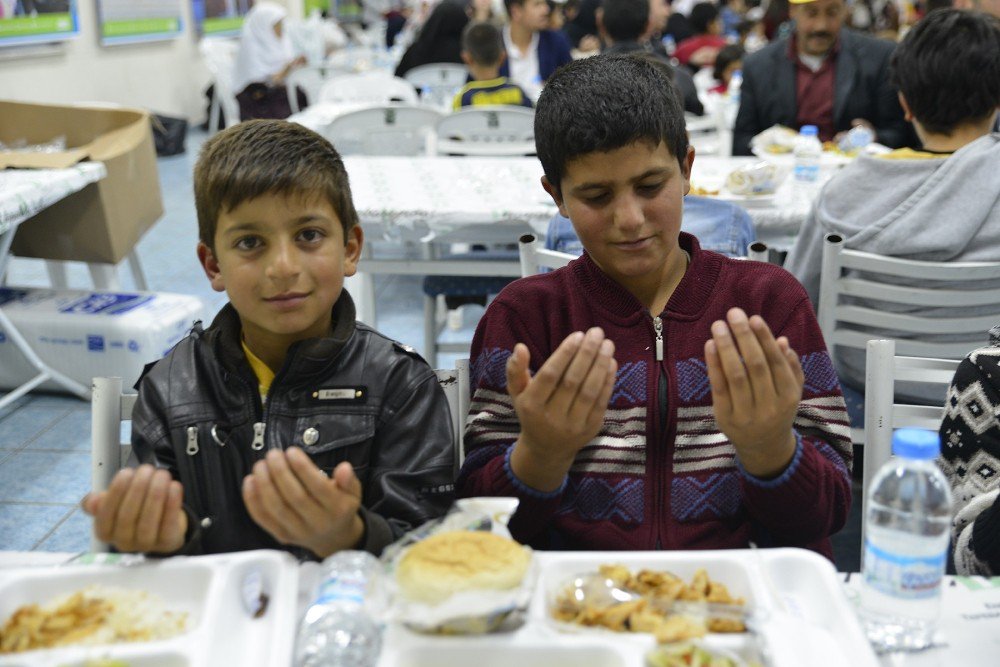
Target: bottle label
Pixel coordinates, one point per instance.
(806, 172)
(904, 577)
(342, 588)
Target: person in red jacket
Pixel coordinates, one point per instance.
(650, 395)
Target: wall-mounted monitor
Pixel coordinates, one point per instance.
(219, 18)
(129, 21)
(34, 21)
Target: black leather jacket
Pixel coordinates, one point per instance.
(355, 396)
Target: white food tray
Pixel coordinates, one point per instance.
(220, 630)
(818, 627)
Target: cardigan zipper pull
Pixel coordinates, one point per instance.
(258, 436)
(658, 329)
(192, 440)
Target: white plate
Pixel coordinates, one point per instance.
(827, 158)
(220, 631)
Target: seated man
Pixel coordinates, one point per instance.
(533, 51)
(938, 204)
(822, 75)
(637, 398)
(719, 226)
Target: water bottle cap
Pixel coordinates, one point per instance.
(916, 443)
(809, 130)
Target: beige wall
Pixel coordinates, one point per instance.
(166, 77)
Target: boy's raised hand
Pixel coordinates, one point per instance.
(139, 511)
(293, 500)
(756, 388)
(562, 407)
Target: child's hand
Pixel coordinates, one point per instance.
(562, 408)
(755, 397)
(293, 500)
(140, 511)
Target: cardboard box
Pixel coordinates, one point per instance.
(87, 334)
(104, 221)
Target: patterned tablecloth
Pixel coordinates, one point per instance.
(414, 197)
(25, 192)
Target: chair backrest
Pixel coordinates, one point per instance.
(758, 251)
(310, 79)
(220, 59)
(384, 130)
(438, 82)
(535, 256)
(883, 369)
(373, 87)
(455, 383)
(901, 295)
(487, 130)
(109, 407)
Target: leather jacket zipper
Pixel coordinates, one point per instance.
(258, 436)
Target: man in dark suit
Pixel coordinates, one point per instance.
(533, 51)
(822, 75)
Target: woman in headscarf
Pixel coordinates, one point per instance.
(440, 39)
(264, 60)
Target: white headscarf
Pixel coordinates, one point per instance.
(262, 53)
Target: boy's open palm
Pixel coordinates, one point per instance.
(293, 500)
(756, 389)
(562, 407)
(140, 511)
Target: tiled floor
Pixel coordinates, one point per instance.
(45, 439)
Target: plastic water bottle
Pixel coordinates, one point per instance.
(808, 151)
(343, 627)
(906, 544)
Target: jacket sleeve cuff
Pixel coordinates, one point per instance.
(192, 537)
(378, 533)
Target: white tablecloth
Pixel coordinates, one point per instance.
(411, 197)
(25, 192)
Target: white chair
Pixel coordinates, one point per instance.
(109, 407)
(882, 414)
(220, 59)
(487, 131)
(758, 251)
(438, 82)
(368, 88)
(383, 130)
(535, 256)
(862, 295)
(310, 79)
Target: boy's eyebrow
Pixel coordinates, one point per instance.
(251, 226)
(658, 171)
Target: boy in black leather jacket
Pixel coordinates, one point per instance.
(285, 424)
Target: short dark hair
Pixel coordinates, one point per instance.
(604, 103)
(483, 43)
(727, 55)
(260, 157)
(948, 68)
(507, 4)
(625, 20)
(701, 17)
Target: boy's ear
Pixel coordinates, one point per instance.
(907, 114)
(556, 196)
(466, 58)
(686, 165)
(211, 266)
(352, 250)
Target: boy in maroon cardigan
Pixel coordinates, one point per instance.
(627, 399)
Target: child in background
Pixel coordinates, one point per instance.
(728, 60)
(637, 398)
(285, 424)
(483, 54)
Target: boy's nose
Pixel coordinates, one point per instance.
(628, 213)
(283, 262)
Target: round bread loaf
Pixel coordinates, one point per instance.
(435, 568)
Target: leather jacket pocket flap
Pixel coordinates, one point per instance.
(334, 432)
